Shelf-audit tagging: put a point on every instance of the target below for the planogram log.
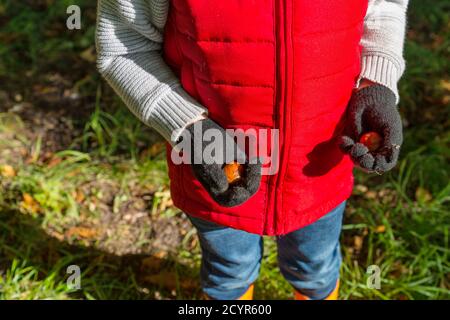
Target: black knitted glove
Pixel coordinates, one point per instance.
(212, 175)
(373, 109)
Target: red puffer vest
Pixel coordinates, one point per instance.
(286, 64)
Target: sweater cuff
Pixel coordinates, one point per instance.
(173, 112)
(382, 71)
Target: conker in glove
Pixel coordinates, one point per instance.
(372, 141)
(373, 131)
(223, 181)
(234, 172)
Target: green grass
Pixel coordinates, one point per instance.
(399, 221)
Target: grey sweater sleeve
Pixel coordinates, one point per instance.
(129, 40)
(382, 42)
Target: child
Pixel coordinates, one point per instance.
(320, 72)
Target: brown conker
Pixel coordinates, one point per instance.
(234, 172)
(371, 140)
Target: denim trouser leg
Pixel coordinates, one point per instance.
(309, 258)
(231, 259)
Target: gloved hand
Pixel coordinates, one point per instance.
(212, 175)
(373, 109)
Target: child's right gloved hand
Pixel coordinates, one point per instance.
(211, 174)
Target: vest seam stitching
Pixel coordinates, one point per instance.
(331, 74)
(354, 25)
(234, 41)
(291, 38)
(231, 41)
(226, 83)
(274, 97)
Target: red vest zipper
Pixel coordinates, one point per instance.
(283, 38)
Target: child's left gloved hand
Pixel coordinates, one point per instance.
(373, 109)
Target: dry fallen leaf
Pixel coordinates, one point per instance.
(153, 151)
(423, 195)
(154, 262)
(54, 160)
(89, 54)
(164, 201)
(7, 171)
(29, 203)
(56, 235)
(445, 84)
(357, 242)
(161, 254)
(73, 173)
(360, 189)
(78, 196)
(81, 232)
(371, 195)
(157, 148)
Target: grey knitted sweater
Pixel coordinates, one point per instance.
(129, 42)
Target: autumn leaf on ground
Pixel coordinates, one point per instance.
(7, 171)
(153, 151)
(358, 243)
(423, 195)
(371, 195)
(30, 204)
(78, 196)
(360, 189)
(73, 173)
(445, 84)
(81, 232)
(89, 54)
(380, 229)
(154, 262)
(162, 201)
(53, 161)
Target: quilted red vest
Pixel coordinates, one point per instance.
(285, 64)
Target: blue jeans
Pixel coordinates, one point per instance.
(309, 258)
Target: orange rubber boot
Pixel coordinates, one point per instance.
(332, 296)
(248, 295)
